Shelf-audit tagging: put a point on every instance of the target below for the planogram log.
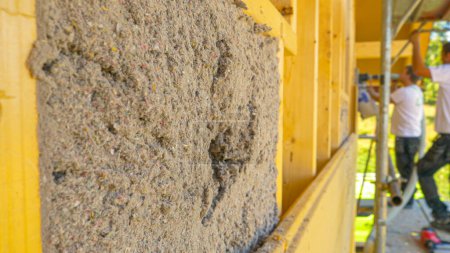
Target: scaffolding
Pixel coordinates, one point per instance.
(391, 26)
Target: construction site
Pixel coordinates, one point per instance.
(213, 125)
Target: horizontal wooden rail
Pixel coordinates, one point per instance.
(18, 7)
(263, 11)
(295, 221)
(371, 49)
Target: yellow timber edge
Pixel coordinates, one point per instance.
(19, 175)
(319, 198)
(19, 178)
(309, 225)
(263, 11)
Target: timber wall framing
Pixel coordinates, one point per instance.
(19, 185)
(316, 156)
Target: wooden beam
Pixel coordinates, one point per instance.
(263, 11)
(282, 4)
(348, 69)
(24, 8)
(371, 49)
(300, 124)
(424, 38)
(336, 78)
(19, 172)
(324, 90)
(293, 18)
(279, 155)
(309, 220)
(352, 71)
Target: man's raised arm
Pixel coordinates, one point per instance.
(418, 64)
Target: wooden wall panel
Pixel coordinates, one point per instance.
(300, 106)
(324, 90)
(19, 178)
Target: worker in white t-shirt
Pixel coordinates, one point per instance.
(406, 123)
(439, 154)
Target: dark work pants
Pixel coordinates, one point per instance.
(406, 149)
(436, 157)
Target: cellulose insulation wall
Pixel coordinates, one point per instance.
(157, 126)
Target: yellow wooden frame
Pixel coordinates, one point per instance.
(316, 70)
(324, 92)
(263, 11)
(371, 49)
(294, 233)
(317, 84)
(19, 175)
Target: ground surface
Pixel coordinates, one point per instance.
(403, 233)
(157, 126)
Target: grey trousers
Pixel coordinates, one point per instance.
(436, 157)
(406, 149)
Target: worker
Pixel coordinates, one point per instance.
(406, 123)
(439, 153)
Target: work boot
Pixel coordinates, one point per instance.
(441, 222)
(438, 207)
(440, 214)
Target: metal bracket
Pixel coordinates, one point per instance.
(383, 185)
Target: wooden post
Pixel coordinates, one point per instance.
(336, 79)
(324, 91)
(279, 156)
(19, 172)
(300, 124)
(346, 83)
(352, 71)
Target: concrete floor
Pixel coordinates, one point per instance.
(403, 234)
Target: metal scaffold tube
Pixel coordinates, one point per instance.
(407, 193)
(382, 131)
(394, 185)
(406, 16)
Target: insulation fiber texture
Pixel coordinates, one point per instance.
(157, 126)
